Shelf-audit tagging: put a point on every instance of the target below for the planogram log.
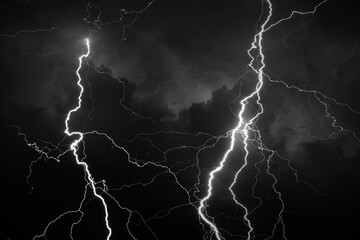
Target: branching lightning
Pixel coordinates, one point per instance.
(75, 145)
(245, 132)
(257, 65)
(243, 128)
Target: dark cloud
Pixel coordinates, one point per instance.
(180, 66)
(213, 116)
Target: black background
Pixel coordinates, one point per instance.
(172, 76)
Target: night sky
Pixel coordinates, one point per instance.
(163, 87)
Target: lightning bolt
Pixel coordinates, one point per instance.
(75, 144)
(244, 127)
(50, 149)
(74, 147)
(245, 130)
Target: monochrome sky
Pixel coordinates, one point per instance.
(165, 79)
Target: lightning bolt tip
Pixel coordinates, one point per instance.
(87, 40)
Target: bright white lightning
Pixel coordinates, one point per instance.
(243, 128)
(75, 145)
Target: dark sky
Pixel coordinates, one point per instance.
(164, 81)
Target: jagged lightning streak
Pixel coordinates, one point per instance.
(75, 144)
(243, 128)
